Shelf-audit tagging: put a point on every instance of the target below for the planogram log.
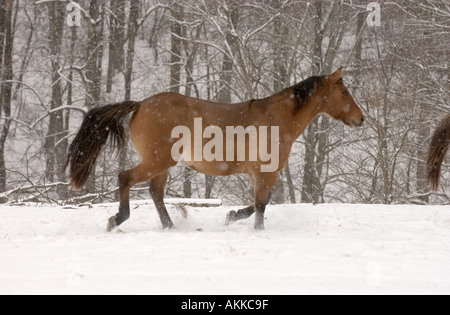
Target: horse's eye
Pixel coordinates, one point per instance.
(345, 93)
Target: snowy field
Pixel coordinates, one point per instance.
(305, 249)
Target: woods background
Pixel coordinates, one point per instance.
(52, 73)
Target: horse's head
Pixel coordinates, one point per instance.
(339, 103)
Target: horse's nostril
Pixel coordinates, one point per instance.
(362, 119)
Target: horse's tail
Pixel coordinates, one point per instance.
(98, 125)
(438, 150)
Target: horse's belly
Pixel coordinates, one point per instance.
(215, 168)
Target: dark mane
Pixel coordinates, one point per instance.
(304, 90)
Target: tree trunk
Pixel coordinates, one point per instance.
(28, 52)
(55, 151)
(290, 184)
(189, 87)
(64, 191)
(6, 86)
(131, 37)
(281, 80)
(187, 182)
(209, 184)
(175, 77)
(132, 30)
(359, 39)
(94, 55)
(421, 168)
(116, 41)
(311, 181)
(94, 68)
(175, 59)
(228, 62)
(3, 14)
(209, 180)
(310, 185)
(383, 150)
(317, 139)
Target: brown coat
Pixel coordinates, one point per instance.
(155, 118)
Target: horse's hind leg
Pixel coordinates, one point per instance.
(157, 185)
(127, 180)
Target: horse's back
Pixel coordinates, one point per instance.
(182, 110)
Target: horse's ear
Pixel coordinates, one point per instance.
(335, 77)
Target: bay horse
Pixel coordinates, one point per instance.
(154, 119)
(437, 152)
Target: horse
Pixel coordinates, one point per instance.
(154, 119)
(440, 143)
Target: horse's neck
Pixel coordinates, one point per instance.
(304, 116)
(284, 105)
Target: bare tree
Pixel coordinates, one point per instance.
(315, 138)
(176, 48)
(94, 54)
(6, 84)
(231, 44)
(54, 152)
(230, 51)
(132, 30)
(3, 13)
(116, 40)
(331, 21)
(281, 81)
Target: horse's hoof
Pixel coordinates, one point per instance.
(231, 218)
(260, 227)
(169, 227)
(111, 224)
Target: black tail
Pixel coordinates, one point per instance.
(438, 150)
(98, 125)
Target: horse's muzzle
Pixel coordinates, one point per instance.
(356, 123)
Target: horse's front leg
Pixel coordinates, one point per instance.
(264, 185)
(242, 214)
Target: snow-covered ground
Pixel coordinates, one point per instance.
(305, 249)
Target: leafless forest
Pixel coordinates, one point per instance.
(61, 58)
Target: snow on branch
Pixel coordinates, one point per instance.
(61, 108)
(85, 14)
(142, 20)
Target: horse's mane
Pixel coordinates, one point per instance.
(304, 90)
